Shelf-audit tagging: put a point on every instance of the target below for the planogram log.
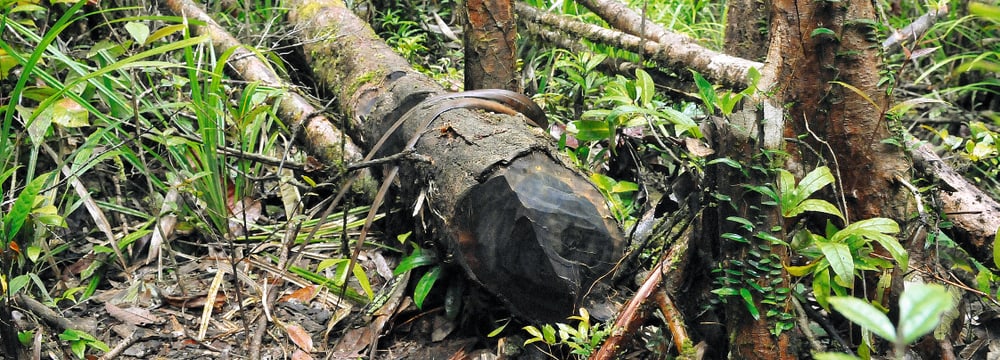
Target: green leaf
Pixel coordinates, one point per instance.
(814, 205)
(417, 259)
(359, 273)
(748, 300)
(822, 287)
(822, 31)
(880, 225)
(996, 248)
(499, 329)
(834, 356)
(79, 348)
(746, 223)
(139, 31)
(841, 261)
(706, 91)
(786, 184)
(920, 310)
(814, 181)
(586, 130)
(647, 86)
(18, 214)
(424, 286)
(801, 270)
(864, 314)
(984, 10)
(894, 248)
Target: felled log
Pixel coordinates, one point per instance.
(498, 199)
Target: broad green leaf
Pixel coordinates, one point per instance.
(841, 261)
(18, 214)
(33, 253)
(864, 314)
(786, 184)
(164, 32)
(726, 291)
(920, 310)
(586, 130)
(822, 31)
(498, 330)
(746, 223)
(139, 31)
(894, 248)
(359, 273)
(425, 285)
(814, 181)
(984, 10)
(814, 205)
(624, 187)
(69, 114)
(881, 225)
(647, 86)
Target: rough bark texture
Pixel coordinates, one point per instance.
(745, 38)
(490, 48)
(843, 130)
(522, 224)
(853, 127)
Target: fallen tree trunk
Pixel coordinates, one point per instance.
(521, 223)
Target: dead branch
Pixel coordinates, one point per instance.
(974, 213)
(915, 30)
(681, 53)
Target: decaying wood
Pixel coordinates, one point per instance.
(974, 213)
(522, 224)
(674, 51)
(323, 140)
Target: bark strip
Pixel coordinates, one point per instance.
(520, 222)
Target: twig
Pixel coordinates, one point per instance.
(631, 316)
(124, 344)
(836, 164)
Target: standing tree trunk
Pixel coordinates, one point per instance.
(490, 51)
(821, 84)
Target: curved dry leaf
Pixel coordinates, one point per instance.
(300, 337)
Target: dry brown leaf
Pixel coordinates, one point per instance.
(303, 295)
(131, 315)
(300, 337)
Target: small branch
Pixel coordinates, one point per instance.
(915, 30)
(681, 53)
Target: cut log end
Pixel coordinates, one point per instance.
(536, 237)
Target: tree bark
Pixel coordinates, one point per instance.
(821, 82)
(490, 47)
(522, 224)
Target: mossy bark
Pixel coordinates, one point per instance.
(527, 227)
